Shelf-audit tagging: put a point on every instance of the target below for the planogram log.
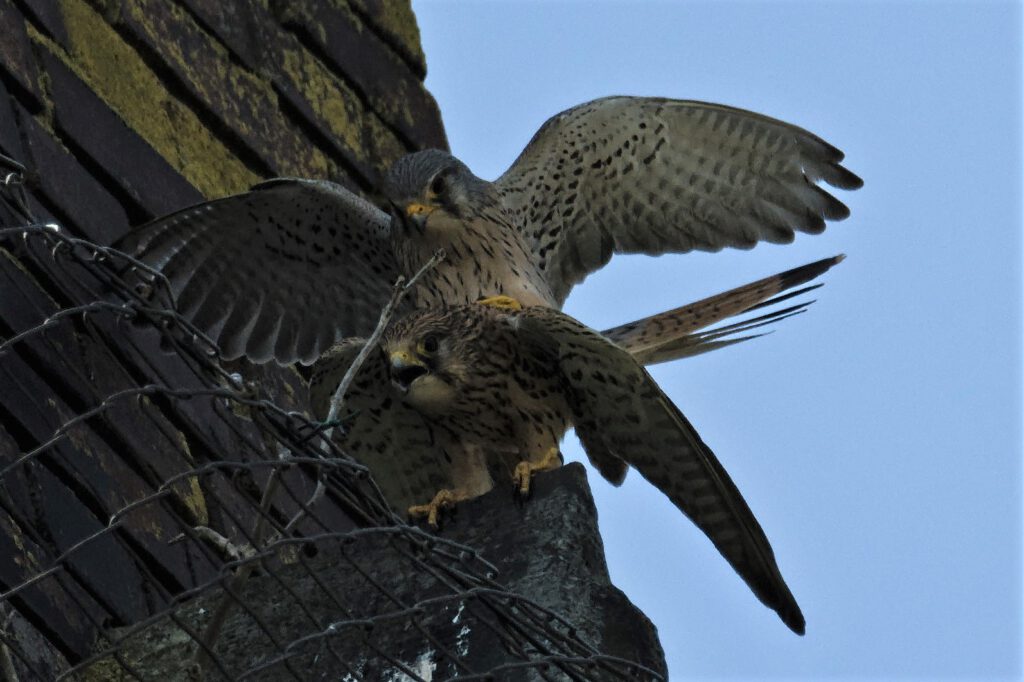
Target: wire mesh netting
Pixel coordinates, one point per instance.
(163, 518)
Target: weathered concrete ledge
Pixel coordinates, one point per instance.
(547, 549)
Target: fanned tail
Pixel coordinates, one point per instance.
(677, 333)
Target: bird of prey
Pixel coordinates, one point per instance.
(404, 454)
(461, 396)
(285, 270)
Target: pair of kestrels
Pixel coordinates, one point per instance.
(460, 395)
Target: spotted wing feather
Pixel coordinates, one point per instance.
(650, 175)
(279, 272)
(619, 412)
(407, 459)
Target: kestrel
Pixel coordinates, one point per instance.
(459, 397)
(285, 270)
(407, 458)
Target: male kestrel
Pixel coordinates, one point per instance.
(461, 396)
(286, 269)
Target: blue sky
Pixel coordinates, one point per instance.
(877, 437)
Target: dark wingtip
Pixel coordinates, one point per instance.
(805, 273)
(782, 601)
(845, 179)
(793, 618)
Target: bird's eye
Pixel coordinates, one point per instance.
(430, 343)
(437, 186)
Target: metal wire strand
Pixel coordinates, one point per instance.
(253, 504)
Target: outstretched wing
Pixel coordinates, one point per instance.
(676, 333)
(620, 414)
(406, 458)
(279, 272)
(650, 175)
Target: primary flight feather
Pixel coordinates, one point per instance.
(285, 270)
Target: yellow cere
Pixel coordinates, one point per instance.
(418, 209)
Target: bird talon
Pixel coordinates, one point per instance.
(501, 302)
(444, 499)
(524, 471)
(521, 479)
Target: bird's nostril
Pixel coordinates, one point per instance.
(406, 375)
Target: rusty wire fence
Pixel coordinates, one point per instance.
(161, 518)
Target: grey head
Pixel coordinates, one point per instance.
(432, 180)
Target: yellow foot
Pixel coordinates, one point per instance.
(502, 302)
(444, 499)
(525, 470)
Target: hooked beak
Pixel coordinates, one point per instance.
(405, 369)
(413, 215)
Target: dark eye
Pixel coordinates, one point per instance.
(430, 343)
(438, 185)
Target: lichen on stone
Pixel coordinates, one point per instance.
(119, 76)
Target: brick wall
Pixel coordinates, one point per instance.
(142, 107)
(122, 111)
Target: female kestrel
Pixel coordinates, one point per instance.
(459, 397)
